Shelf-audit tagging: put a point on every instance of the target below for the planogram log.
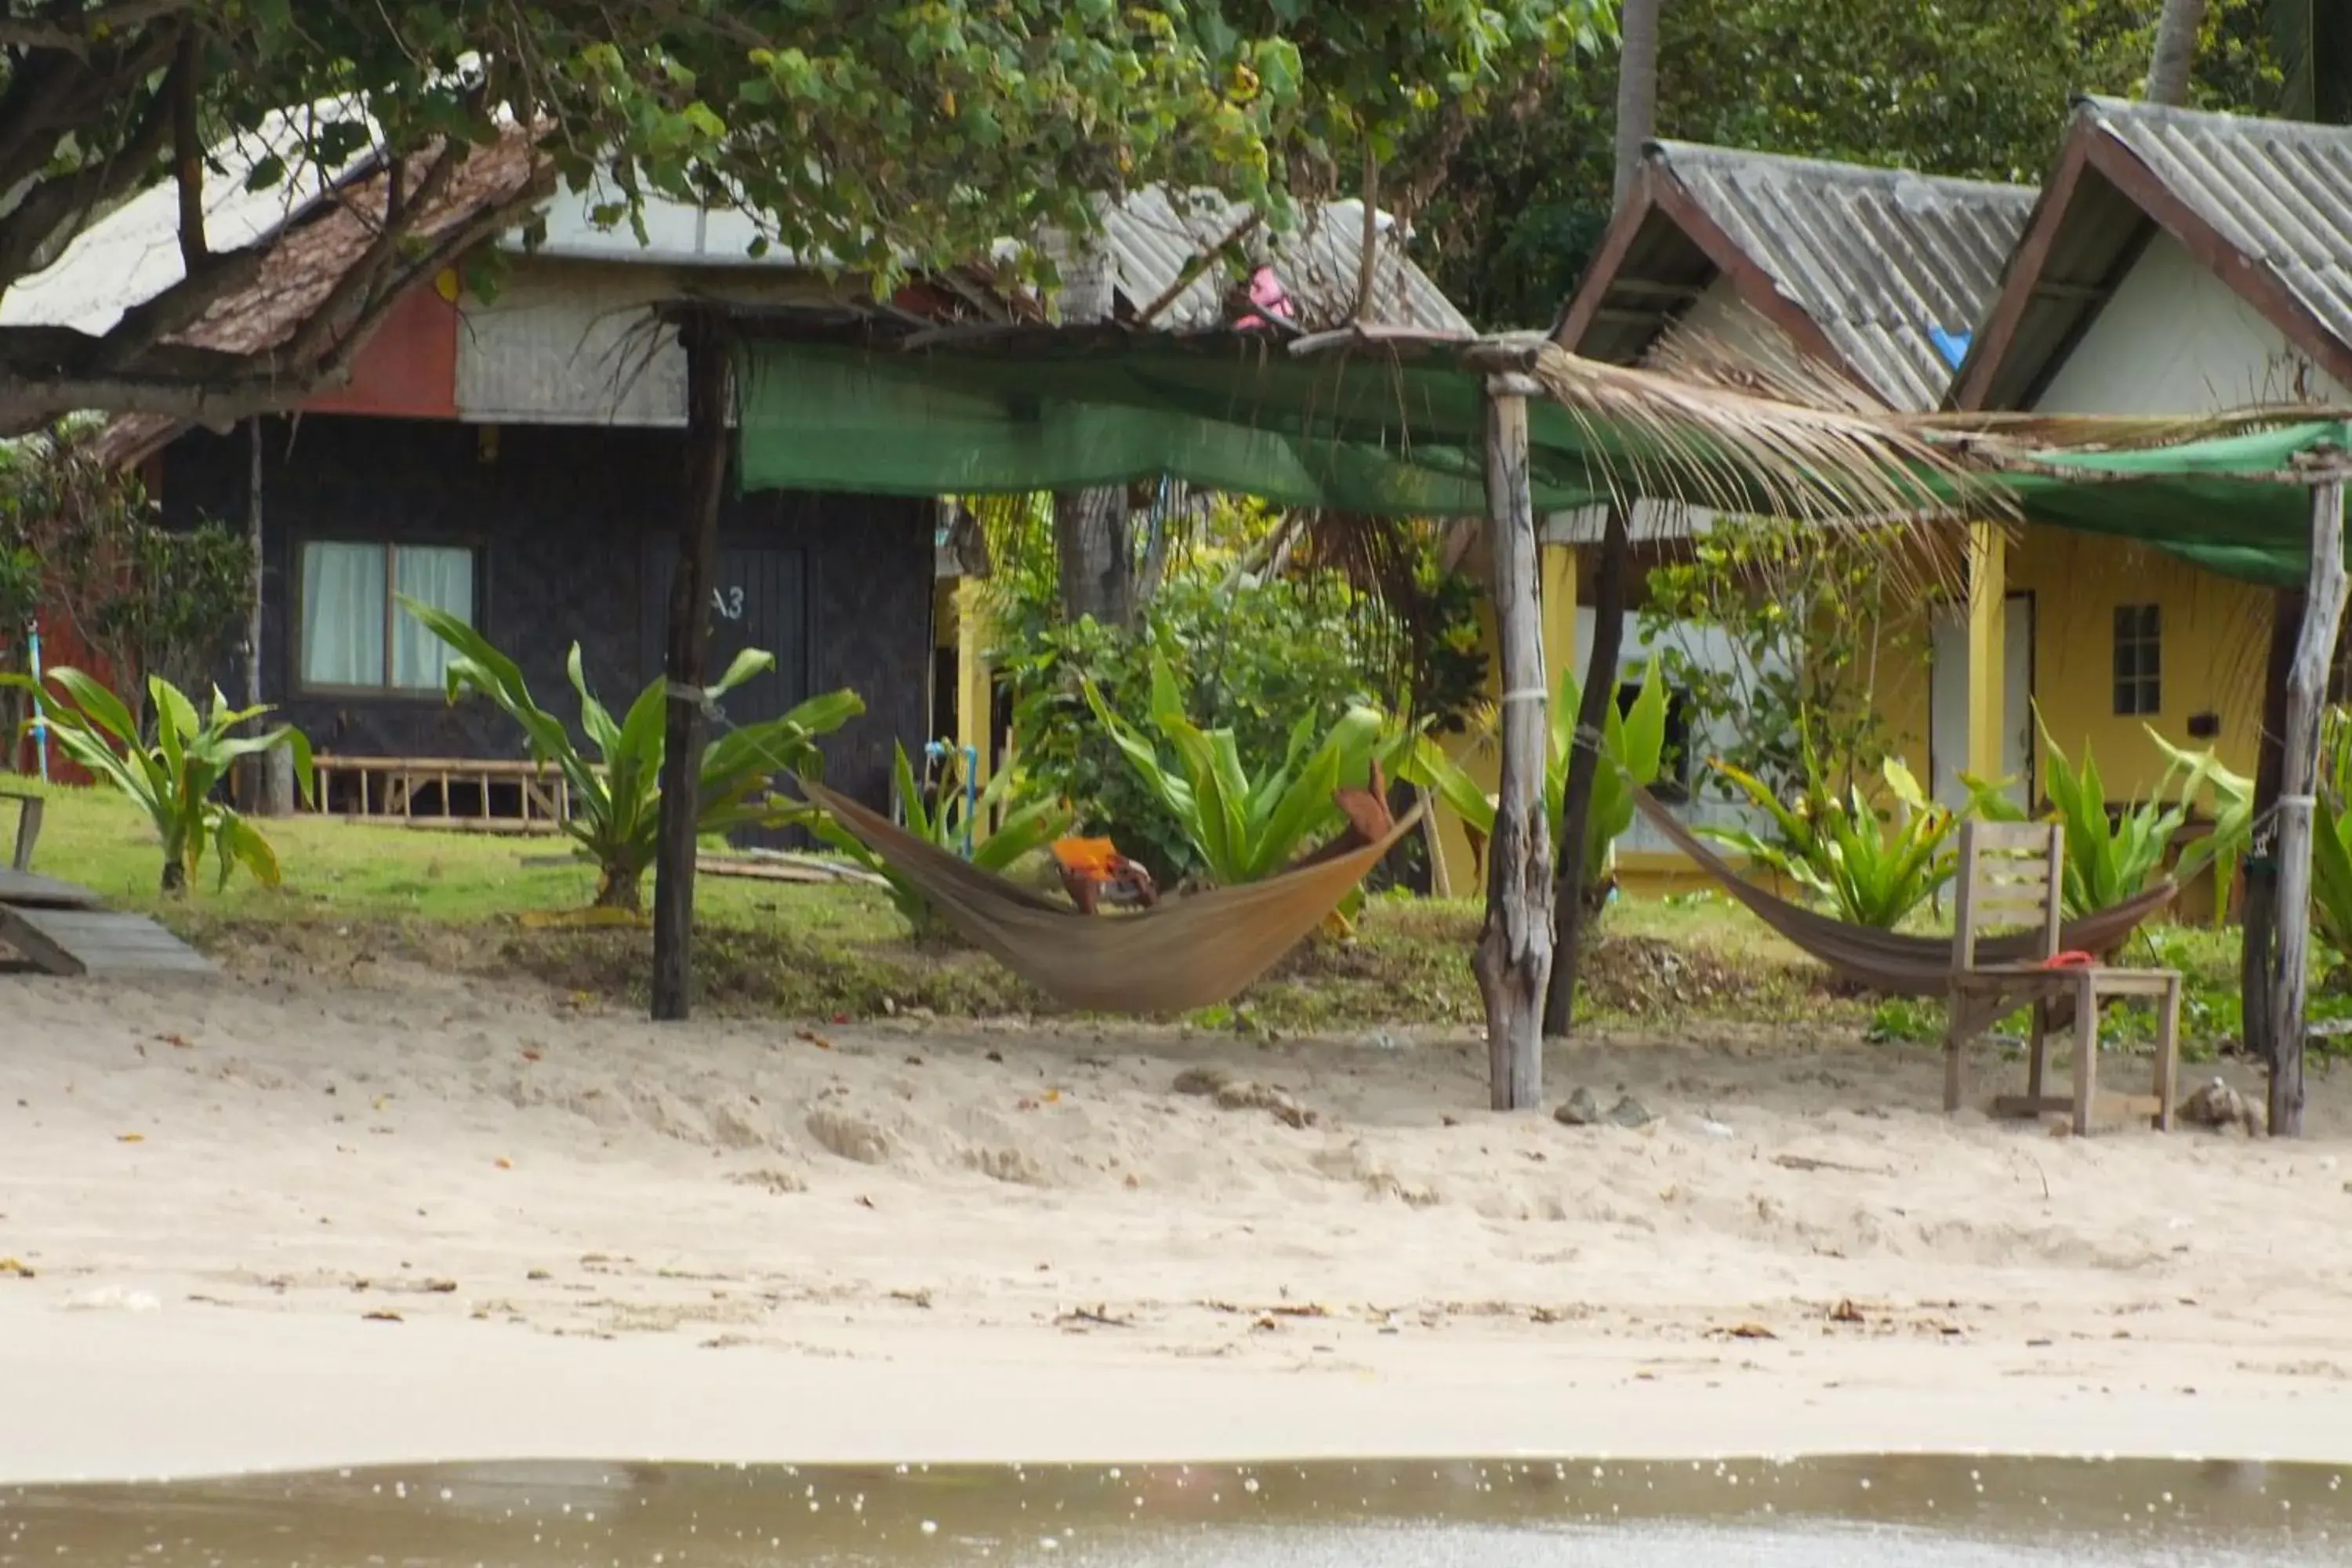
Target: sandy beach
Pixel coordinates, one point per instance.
(286, 1220)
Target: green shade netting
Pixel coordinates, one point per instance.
(1370, 433)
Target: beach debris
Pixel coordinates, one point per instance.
(1078, 1320)
(1807, 1162)
(178, 1042)
(780, 1182)
(381, 1316)
(1581, 1108)
(1231, 1093)
(503, 1164)
(2215, 1104)
(813, 1039)
(921, 1297)
(1743, 1332)
(15, 1269)
(1846, 1312)
(1714, 1129)
(131, 1138)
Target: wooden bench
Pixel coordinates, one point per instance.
(30, 807)
(2013, 875)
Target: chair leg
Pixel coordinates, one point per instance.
(2168, 1053)
(2037, 1067)
(2087, 1054)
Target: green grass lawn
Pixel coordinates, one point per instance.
(460, 902)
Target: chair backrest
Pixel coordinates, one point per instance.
(2012, 877)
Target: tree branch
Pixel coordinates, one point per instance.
(188, 149)
(77, 32)
(57, 204)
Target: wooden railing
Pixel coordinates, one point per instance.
(450, 792)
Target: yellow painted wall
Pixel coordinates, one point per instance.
(2215, 637)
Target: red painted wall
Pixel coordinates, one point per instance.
(409, 369)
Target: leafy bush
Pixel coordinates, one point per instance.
(1023, 831)
(2331, 840)
(174, 779)
(1633, 749)
(147, 600)
(1808, 615)
(1255, 657)
(1240, 831)
(2225, 847)
(1871, 868)
(616, 800)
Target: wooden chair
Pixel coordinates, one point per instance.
(2013, 876)
(28, 826)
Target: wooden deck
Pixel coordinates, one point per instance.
(78, 941)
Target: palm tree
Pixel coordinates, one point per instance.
(2176, 51)
(1637, 88)
(1572, 902)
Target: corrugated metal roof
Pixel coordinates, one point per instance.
(1880, 259)
(1155, 234)
(2279, 192)
(133, 254)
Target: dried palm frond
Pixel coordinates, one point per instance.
(2005, 437)
(1650, 435)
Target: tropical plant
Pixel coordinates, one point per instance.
(1633, 751)
(1246, 832)
(2331, 839)
(1872, 868)
(1021, 832)
(2223, 846)
(615, 800)
(175, 778)
(1255, 653)
(2110, 856)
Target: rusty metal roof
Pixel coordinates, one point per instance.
(1882, 261)
(2267, 204)
(1154, 235)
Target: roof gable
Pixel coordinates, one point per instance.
(2265, 205)
(1879, 272)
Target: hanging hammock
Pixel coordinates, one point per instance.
(1182, 953)
(1893, 963)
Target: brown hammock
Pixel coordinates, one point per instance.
(1180, 954)
(1891, 961)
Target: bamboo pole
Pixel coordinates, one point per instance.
(2314, 650)
(708, 383)
(1513, 960)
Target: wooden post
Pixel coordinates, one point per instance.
(267, 781)
(708, 382)
(1513, 960)
(1988, 659)
(1568, 893)
(2260, 916)
(2314, 650)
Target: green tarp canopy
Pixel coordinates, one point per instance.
(1375, 432)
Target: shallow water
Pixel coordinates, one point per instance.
(1898, 1510)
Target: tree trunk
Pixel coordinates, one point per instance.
(176, 874)
(618, 889)
(2176, 51)
(1091, 543)
(2306, 696)
(708, 377)
(1090, 546)
(1567, 904)
(2261, 914)
(1637, 88)
(1513, 955)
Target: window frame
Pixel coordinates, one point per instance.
(2146, 644)
(475, 544)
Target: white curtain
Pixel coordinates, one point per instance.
(443, 578)
(343, 615)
